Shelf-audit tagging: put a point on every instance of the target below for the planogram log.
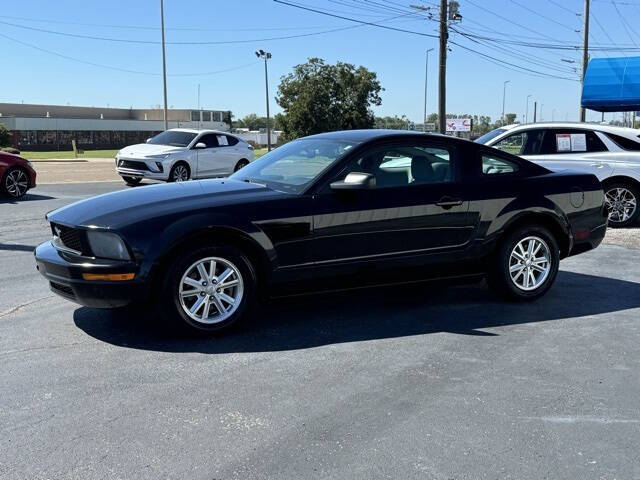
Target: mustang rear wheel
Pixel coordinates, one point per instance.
(209, 289)
(526, 264)
(621, 200)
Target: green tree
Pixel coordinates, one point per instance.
(317, 97)
(5, 136)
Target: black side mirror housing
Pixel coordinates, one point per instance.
(355, 181)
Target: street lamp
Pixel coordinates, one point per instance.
(426, 72)
(164, 67)
(266, 55)
(527, 114)
(504, 90)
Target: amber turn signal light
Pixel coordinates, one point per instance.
(110, 277)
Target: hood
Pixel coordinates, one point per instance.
(146, 149)
(126, 207)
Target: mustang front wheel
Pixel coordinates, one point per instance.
(210, 288)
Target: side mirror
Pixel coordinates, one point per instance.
(148, 140)
(200, 145)
(355, 181)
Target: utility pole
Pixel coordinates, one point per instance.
(426, 76)
(442, 74)
(527, 114)
(535, 109)
(504, 91)
(266, 55)
(199, 110)
(585, 52)
(164, 67)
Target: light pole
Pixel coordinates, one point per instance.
(504, 91)
(266, 55)
(527, 115)
(426, 72)
(164, 67)
(541, 105)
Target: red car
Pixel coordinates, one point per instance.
(17, 175)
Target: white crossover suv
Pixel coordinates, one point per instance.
(183, 154)
(611, 153)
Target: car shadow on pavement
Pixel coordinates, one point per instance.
(17, 247)
(29, 197)
(312, 321)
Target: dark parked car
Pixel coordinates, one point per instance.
(326, 212)
(17, 175)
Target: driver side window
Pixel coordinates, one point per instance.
(522, 143)
(403, 165)
(209, 139)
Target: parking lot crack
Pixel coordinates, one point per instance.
(23, 305)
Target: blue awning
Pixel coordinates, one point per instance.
(612, 85)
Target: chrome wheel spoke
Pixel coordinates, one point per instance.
(529, 263)
(209, 298)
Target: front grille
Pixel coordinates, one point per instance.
(133, 165)
(70, 237)
(63, 289)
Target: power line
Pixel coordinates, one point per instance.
(154, 42)
(354, 20)
(125, 70)
(524, 69)
(624, 22)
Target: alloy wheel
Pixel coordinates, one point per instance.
(621, 204)
(211, 290)
(529, 263)
(16, 183)
(180, 174)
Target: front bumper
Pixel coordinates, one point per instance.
(64, 273)
(130, 172)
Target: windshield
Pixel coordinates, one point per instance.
(489, 136)
(293, 166)
(173, 138)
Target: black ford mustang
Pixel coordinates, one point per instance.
(326, 212)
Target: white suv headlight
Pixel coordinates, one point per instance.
(107, 245)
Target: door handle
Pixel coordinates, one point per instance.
(597, 165)
(448, 202)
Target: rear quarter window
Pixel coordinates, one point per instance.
(624, 142)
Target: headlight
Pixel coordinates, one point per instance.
(107, 245)
(164, 155)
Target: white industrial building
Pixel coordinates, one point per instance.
(53, 127)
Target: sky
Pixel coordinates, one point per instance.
(110, 70)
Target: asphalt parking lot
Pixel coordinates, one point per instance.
(394, 383)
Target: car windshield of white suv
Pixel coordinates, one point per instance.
(490, 135)
(172, 138)
(293, 166)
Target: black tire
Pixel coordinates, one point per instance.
(170, 302)
(499, 277)
(241, 164)
(132, 181)
(611, 190)
(11, 189)
(173, 173)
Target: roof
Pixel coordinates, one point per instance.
(370, 134)
(612, 85)
(624, 131)
(196, 130)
